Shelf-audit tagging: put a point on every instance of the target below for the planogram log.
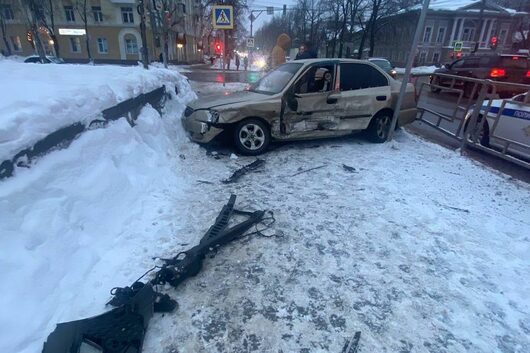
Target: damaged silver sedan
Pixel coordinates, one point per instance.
(306, 99)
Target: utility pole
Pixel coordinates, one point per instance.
(141, 12)
(410, 59)
(481, 24)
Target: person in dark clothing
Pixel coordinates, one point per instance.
(245, 63)
(305, 52)
(238, 62)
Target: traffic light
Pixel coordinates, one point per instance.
(218, 48)
(493, 42)
(284, 11)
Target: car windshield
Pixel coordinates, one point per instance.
(384, 64)
(276, 80)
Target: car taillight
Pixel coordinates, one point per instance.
(495, 72)
(528, 74)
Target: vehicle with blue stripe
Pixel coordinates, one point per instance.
(507, 125)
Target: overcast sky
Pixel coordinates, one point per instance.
(261, 5)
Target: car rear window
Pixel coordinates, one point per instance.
(384, 64)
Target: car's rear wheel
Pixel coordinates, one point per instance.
(252, 136)
(379, 127)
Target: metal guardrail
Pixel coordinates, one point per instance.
(61, 138)
(468, 114)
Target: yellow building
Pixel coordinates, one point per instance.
(113, 30)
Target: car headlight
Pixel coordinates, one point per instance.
(212, 116)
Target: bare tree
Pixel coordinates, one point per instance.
(49, 12)
(3, 29)
(81, 7)
(32, 11)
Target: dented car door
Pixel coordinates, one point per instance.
(363, 92)
(310, 112)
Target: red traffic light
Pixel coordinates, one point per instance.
(493, 42)
(218, 48)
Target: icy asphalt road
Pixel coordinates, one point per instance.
(420, 249)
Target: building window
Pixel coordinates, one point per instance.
(441, 35)
(69, 13)
(75, 44)
(502, 36)
(98, 15)
(15, 43)
(468, 34)
(423, 57)
(436, 58)
(131, 46)
(103, 46)
(127, 15)
(427, 35)
(7, 12)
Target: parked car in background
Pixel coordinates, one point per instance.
(498, 67)
(304, 99)
(513, 124)
(385, 65)
(47, 60)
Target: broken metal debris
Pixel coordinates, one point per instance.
(244, 170)
(349, 169)
(121, 330)
(352, 344)
(188, 263)
(308, 170)
(116, 331)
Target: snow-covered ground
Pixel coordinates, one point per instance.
(40, 99)
(419, 248)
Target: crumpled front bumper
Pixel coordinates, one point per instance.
(198, 128)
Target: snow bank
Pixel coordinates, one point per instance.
(91, 216)
(39, 99)
(418, 70)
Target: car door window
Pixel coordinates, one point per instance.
(358, 76)
(318, 78)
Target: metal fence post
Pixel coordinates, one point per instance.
(410, 59)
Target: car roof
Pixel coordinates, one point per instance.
(378, 59)
(342, 60)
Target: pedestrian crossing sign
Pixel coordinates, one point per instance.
(223, 17)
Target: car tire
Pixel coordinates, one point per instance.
(252, 137)
(379, 127)
(435, 81)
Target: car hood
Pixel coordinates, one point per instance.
(220, 100)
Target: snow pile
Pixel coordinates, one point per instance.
(418, 70)
(89, 217)
(40, 99)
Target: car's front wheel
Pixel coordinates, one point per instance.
(252, 136)
(379, 127)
